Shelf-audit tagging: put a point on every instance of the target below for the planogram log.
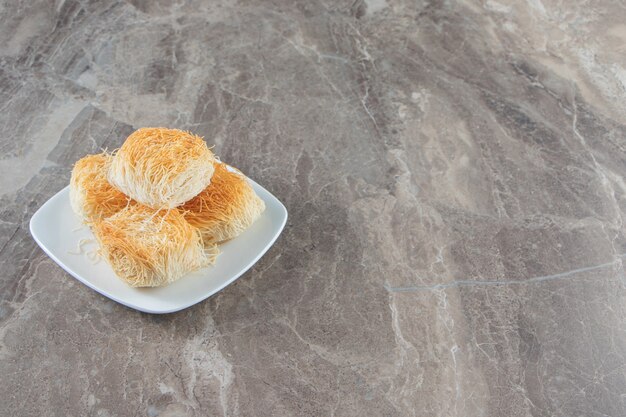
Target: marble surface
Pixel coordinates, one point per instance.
(454, 173)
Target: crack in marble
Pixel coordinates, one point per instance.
(469, 283)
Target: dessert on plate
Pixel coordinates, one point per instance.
(160, 205)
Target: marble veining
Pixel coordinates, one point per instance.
(454, 174)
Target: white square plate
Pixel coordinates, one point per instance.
(54, 228)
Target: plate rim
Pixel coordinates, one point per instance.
(130, 304)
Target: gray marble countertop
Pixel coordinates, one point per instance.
(454, 173)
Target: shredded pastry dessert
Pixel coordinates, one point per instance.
(225, 208)
(160, 205)
(91, 195)
(148, 248)
(161, 168)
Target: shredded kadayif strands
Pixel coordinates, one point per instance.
(161, 168)
(149, 248)
(91, 195)
(226, 208)
(160, 205)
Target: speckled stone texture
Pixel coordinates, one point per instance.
(454, 173)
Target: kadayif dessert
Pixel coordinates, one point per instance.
(91, 196)
(161, 168)
(149, 248)
(225, 208)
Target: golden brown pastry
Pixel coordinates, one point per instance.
(148, 248)
(91, 195)
(161, 168)
(227, 207)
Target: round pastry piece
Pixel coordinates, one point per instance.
(161, 168)
(91, 195)
(148, 248)
(224, 209)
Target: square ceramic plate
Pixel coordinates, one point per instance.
(58, 232)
